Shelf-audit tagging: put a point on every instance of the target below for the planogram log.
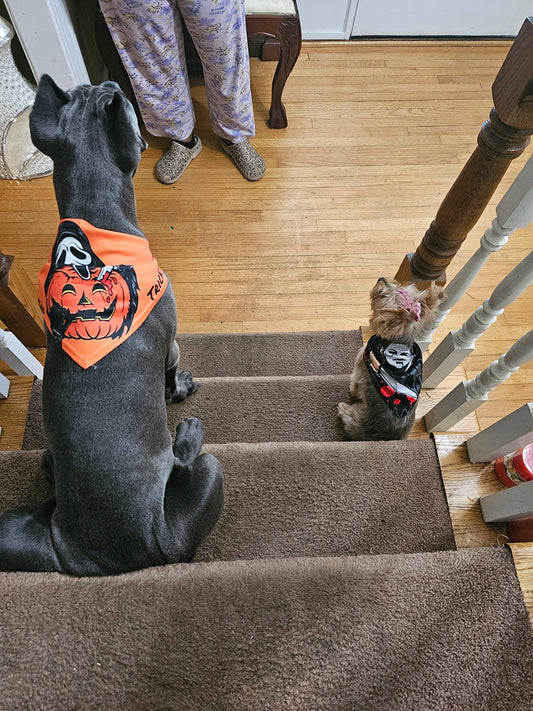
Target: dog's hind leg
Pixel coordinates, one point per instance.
(47, 467)
(26, 538)
(352, 418)
(178, 383)
(194, 499)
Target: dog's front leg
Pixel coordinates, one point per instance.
(188, 441)
(178, 383)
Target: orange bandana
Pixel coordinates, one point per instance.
(97, 289)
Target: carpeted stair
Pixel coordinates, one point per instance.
(331, 580)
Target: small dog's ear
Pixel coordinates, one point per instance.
(124, 133)
(434, 296)
(44, 116)
(430, 300)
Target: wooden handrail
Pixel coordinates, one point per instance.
(503, 137)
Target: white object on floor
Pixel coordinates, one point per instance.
(19, 159)
(17, 356)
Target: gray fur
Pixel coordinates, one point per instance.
(124, 497)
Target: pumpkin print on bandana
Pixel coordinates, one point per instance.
(98, 288)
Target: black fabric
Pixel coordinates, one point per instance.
(398, 386)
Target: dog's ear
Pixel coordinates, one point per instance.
(430, 300)
(44, 117)
(434, 295)
(124, 134)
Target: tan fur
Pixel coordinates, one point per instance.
(368, 417)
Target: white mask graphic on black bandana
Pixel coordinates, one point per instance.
(396, 373)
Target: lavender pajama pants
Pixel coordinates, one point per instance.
(149, 38)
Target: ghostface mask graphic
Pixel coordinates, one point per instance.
(97, 289)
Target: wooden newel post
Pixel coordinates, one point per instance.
(503, 137)
(19, 310)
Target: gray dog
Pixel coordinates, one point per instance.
(124, 497)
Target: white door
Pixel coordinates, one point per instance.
(434, 18)
(340, 19)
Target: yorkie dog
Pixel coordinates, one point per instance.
(387, 375)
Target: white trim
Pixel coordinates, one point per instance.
(47, 35)
(323, 35)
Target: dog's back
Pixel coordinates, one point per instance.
(125, 497)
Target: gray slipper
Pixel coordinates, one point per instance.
(172, 165)
(246, 158)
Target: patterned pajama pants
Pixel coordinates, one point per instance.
(149, 38)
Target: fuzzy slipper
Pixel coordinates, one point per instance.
(172, 165)
(246, 158)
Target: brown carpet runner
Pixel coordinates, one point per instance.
(304, 499)
(330, 581)
(442, 631)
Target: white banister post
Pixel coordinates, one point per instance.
(457, 345)
(470, 394)
(17, 356)
(515, 210)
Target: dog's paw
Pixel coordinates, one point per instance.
(189, 440)
(342, 409)
(184, 385)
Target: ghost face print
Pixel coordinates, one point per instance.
(398, 355)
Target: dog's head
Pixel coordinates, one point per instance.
(91, 122)
(401, 312)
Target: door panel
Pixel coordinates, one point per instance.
(397, 18)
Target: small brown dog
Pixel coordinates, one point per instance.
(386, 380)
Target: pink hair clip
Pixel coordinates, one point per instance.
(405, 301)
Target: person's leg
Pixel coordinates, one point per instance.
(218, 30)
(151, 47)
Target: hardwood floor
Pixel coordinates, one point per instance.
(378, 132)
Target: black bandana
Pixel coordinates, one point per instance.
(396, 373)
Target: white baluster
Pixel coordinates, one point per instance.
(457, 345)
(470, 394)
(17, 356)
(4, 386)
(515, 210)
(503, 437)
(508, 504)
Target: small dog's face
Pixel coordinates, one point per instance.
(400, 312)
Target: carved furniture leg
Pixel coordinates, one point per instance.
(290, 46)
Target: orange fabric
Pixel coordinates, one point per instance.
(97, 289)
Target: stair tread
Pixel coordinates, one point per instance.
(296, 353)
(444, 630)
(246, 409)
(305, 499)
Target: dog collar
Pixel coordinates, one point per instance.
(96, 290)
(396, 373)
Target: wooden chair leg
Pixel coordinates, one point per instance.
(290, 46)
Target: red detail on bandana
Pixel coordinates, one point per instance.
(95, 301)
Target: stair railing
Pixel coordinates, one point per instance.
(457, 345)
(470, 394)
(514, 211)
(503, 137)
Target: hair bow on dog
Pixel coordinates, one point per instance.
(405, 301)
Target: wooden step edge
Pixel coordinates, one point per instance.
(523, 561)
